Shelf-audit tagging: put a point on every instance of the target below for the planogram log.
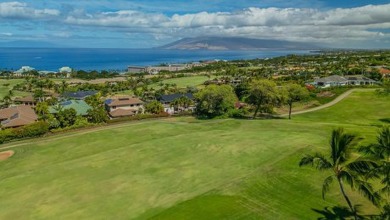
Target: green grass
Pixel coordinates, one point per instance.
(183, 82)
(4, 88)
(183, 168)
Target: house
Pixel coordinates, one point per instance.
(384, 72)
(124, 106)
(17, 116)
(80, 106)
(360, 80)
(167, 100)
(28, 100)
(334, 80)
(80, 95)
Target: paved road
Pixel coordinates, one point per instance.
(335, 101)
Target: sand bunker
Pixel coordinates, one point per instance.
(6, 154)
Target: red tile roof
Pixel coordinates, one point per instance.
(121, 113)
(384, 71)
(17, 116)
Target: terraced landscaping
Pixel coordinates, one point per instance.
(183, 168)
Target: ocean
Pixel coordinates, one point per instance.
(117, 59)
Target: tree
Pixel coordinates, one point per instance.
(97, 115)
(380, 151)
(7, 100)
(263, 95)
(294, 93)
(154, 107)
(67, 117)
(215, 100)
(182, 101)
(42, 109)
(344, 168)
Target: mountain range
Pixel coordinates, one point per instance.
(236, 43)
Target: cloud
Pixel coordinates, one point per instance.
(21, 10)
(340, 25)
(300, 24)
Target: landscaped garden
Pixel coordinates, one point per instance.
(184, 168)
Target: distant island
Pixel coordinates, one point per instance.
(236, 43)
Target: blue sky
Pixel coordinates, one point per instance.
(149, 23)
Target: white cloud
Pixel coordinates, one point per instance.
(21, 10)
(297, 24)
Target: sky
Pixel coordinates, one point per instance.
(151, 23)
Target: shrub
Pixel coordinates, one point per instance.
(32, 130)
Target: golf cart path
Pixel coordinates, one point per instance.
(327, 105)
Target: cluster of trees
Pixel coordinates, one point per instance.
(262, 95)
(359, 173)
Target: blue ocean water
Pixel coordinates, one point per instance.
(117, 59)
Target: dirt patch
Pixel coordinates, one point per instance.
(6, 154)
(325, 94)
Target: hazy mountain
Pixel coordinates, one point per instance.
(236, 43)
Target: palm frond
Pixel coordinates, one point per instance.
(306, 160)
(366, 190)
(340, 144)
(347, 177)
(361, 166)
(318, 161)
(326, 184)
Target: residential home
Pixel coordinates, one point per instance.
(28, 100)
(167, 100)
(334, 80)
(384, 72)
(124, 106)
(17, 116)
(360, 80)
(80, 106)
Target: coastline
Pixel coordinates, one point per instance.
(52, 59)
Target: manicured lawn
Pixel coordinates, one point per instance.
(7, 84)
(183, 82)
(183, 168)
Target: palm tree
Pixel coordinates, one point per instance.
(345, 169)
(380, 151)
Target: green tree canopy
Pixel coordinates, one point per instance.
(154, 107)
(294, 93)
(215, 100)
(263, 95)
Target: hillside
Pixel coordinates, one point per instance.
(236, 43)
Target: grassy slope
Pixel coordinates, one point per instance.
(183, 168)
(183, 82)
(4, 89)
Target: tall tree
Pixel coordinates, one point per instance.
(294, 93)
(344, 168)
(380, 152)
(215, 100)
(42, 109)
(263, 95)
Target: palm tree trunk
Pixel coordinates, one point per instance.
(289, 110)
(346, 198)
(257, 109)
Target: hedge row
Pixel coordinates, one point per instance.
(32, 130)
